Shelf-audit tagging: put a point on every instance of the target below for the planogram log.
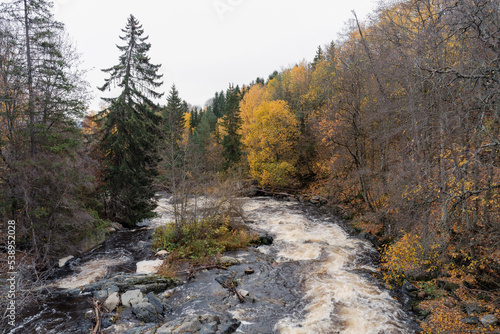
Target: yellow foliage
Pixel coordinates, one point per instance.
(252, 99)
(292, 85)
(270, 140)
(406, 254)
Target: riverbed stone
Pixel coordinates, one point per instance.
(191, 326)
(145, 329)
(149, 267)
(229, 327)
(145, 312)
(249, 271)
(64, 260)
(263, 240)
(244, 293)
(101, 294)
(488, 320)
(407, 286)
(228, 260)
(132, 297)
(112, 289)
(163, 253)
(112, 302)
(470, 320)
(142, 244)
(155, 301)
(209, 328)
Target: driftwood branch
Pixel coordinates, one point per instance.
(229, 285)
(97, 308)
(192, 271)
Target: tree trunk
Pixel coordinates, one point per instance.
(31, 107)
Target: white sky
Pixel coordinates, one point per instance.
(203, 45)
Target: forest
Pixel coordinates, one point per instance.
(396, 124)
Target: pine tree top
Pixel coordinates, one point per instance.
(134, 73)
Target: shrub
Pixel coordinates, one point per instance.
(407, 255)
(201, 240)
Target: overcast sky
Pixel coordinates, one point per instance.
(203, 45)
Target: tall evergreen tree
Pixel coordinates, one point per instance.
(231, 141)
(130, 131)
(41, 96)
(172, 128)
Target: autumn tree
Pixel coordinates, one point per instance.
(271, 143)
(130, 131)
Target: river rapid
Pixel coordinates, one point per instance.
(314, 278)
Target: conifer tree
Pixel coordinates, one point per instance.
(130, 131)
(44, 168)
(172, 128)
(231, 142)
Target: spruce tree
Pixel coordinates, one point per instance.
(231, 142)
(45, 171)
(172, 128)
(130, 131)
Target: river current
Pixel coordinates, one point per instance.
(314, 278)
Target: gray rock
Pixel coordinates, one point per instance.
(488, 320)
(64, 260)
(470, 320)
(112, 302)
(101, 294)
(163, 253)
(211, 319)
(210, 328)
(168, 293)
(112, 289)
(409, 287)
(117, 226)
(155, 301)
(244, 293)
(146, 329)
(132, 297)
(249, 271)
(228, 260)
(471, 309)
(229, 327)
(165, 329)
(192, 326)
(145, 312)
(263, 240)
(142, 244)
(223, 279)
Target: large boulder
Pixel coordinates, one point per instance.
(132, 297)
(488, 320)
(112, 302)
(145, 312)
(149, 267)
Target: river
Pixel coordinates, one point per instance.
(314, 278)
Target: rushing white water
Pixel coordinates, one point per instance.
(339, 299)
(338, 295)
(89, 272)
